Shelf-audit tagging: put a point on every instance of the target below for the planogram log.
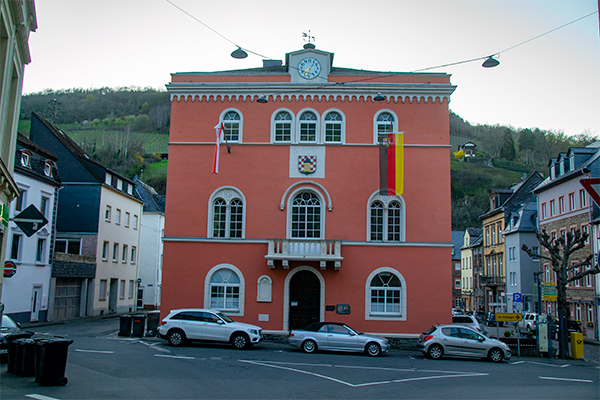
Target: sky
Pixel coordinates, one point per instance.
(551, 83)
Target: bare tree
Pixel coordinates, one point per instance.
(560, 250)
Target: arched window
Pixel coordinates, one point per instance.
(308, 127)
(385, 123)
(386, 219)
(226, 214)
(283, 127)
(385, 295)
(333, 127)
(225, 290)
(306, 216)
(232, 124)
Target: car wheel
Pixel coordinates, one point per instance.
(240, 341)
(373, 349)
(435, 352)
(496, 355)
(176, 338)
(309, 346)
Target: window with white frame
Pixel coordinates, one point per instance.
(333, 127)
(41, 250)
(386, 219)
(21, 200)
(582, 198)
(232, 126)
(561, 204)
(127, 219)
(282, 127)
(15, 247)
(306, 212)
(107, 213)
(572, 204)
(25, 159)
(133, 254)
(552, 208)
(122, 289)
(225, 290)
(118, 217)
(307, 124)
(48, 168)
(544, 210)
(130, 294)
(227, 214)
(115, 252)
(585, 229)
(588, 277)
(135, 221)
(44, 204)
(589, 312)
(386, 295)
(124, 255)
(385, 123)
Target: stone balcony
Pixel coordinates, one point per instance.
(287, 250)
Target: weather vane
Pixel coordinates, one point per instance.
(307, 37)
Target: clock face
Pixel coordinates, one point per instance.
(309, 68)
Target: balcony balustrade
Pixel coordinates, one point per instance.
(493, 280)
(287, 250)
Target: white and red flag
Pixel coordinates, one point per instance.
(219, 128)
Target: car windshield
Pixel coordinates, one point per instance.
(353, 330)
(7, 322)
(225, 318)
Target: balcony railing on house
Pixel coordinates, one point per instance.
(287, 250)
(493, 280)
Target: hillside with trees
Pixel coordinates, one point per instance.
(127, 129)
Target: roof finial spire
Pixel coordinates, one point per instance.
(308, 38)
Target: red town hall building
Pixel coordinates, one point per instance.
(294, 227)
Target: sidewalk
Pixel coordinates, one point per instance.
(591, 352)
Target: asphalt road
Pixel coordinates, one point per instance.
(102, 365)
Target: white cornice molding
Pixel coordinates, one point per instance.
(333, 91)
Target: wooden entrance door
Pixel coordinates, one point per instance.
(305, 294)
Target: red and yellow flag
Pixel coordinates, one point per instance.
(391, 164)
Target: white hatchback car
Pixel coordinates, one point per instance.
(466, 320)
(207, 325)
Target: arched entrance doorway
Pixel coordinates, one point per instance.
(305, 294)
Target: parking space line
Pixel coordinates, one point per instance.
(298, 370)
(550, 365)
(450, 374)
(95, 351)
(550, 378)
(180, 357)
(40, 397)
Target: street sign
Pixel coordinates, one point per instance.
(549, 291)
(517, 298)
(30, 220)
(592, 186)
(509, 317)
(10, 268)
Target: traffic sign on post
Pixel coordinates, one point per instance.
(517, 298)
(509, 317)
(10, 268)
(30, 220)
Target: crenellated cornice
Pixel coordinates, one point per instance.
(329, 92)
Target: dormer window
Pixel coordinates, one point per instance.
(571, 163)
(25, 159)
(48, 168)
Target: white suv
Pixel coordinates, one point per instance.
(529, 322)
(207, 325)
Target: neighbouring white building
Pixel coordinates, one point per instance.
(25, 293)
(151, 246)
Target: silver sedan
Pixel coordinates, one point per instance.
(337, 337)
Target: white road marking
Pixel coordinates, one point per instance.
(549, 365)
(180, 357)
(40, 397)
(95, 351)
(517, 362)
(270, 364)
(565, 379)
